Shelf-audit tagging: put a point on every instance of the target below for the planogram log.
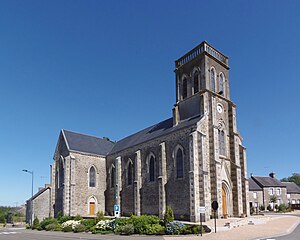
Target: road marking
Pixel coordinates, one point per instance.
(6, 233)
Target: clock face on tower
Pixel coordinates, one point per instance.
(219, 108)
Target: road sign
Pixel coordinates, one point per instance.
(116, 208)
(215, 205)
(201, 210)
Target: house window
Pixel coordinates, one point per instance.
(92, 177)
(184, 88)
(130, 174)
(255, 195)
(278, 191)
(221, 84)
(212, 79)
(196, 82)
(179, 163)
(288, 196)
(221, 142)
(271, 191)
(293, 201)
(112, 176)
(151, 169)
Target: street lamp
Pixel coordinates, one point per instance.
(31, 214)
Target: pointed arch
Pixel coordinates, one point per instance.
(112, 173)
(129, 172)
(221, 84)
(151, 167)
(196, 80)
(184, 86)
(92, 176)
(178, 156)
(92, 205)
(213, 79)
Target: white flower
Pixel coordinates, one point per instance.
(71, 223)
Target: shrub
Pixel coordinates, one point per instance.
(47, 221)
(105, 225)
(88, 223)
(252, 210)
(64, 219)
(142, 222)
(77, 218)
(262, 208)
(53, 227)
(70, 224)
(79, 228)
(123, 221)
(174, 228)
(154, 229)
(168, 216)
(36, 223)
(100, 216)
(269, 208)
(2, 218)
(127, 229)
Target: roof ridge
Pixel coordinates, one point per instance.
(83, 134)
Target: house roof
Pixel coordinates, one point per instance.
(253, 186)
(40, 192)
(267, 182)
(87, 144)
(291, 187)
(162, 128)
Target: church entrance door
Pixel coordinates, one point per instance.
(92, 208)
(224, 203)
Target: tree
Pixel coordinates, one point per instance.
(294, 178)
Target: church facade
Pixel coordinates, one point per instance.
(186, 162)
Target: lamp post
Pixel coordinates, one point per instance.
(31, 213)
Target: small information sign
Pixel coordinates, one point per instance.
(201, 210)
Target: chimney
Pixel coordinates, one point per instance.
(272, 175)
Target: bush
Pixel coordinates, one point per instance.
(174, 228)
(77, 218)
(79, 228)
(36, 223)
(64, 219)
(123, 221)
(168, 216)
(154, 229)
(53, 227)
(2, 218)
(105, 225)
(47, 221)
(99, 217)
(269, 208)
(125, 230)
(142, 222)
(262, 208)
(67, 229)
(88, 223)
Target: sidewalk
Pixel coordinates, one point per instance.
(240, 229)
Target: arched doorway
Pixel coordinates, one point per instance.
(224, 202)
(92, 204)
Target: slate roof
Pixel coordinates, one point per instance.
(160, 129)
(87, 144)
(253, 186)
(291, 187)
(267, 182)
(47, 186)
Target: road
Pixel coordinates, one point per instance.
(295, 235)
(23, 234)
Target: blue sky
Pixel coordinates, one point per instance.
(105, 68)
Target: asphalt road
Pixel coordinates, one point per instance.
(295, 235)
(23, 234)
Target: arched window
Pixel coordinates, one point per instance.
(179, 163)
(196, 82)
(151, 169)
(221, 84)
(130, 173)
(92, 177)
(184, 88)
(212, 79)
(112, 176)
(221, 142)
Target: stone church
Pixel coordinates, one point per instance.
(186, 162)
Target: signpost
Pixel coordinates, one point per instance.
(215, 207)
(117, 210)
(201, 210)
